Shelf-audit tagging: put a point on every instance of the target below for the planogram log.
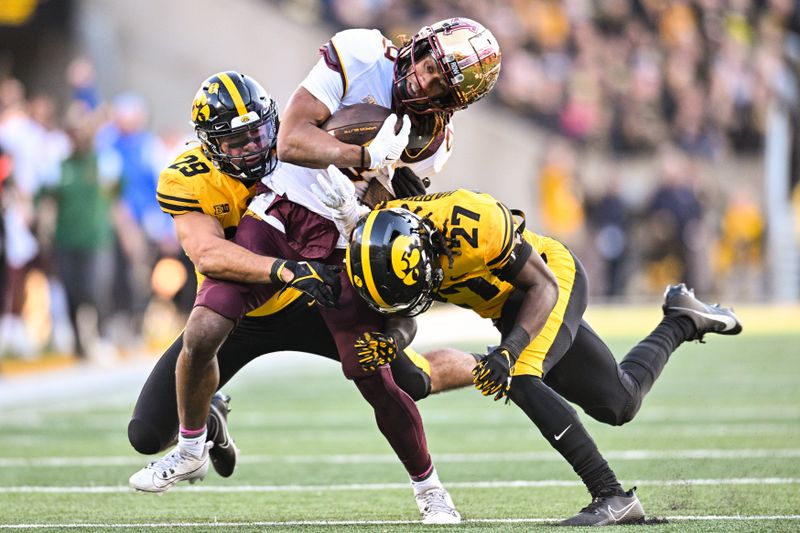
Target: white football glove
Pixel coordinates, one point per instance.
(387, 147)
(339, 194)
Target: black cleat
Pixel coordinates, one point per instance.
(680, 301)
(224, 452)
(609, 511)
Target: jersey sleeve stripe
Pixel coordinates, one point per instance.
(508, 237)
(342, 71)
(177, 199)
(175, 209)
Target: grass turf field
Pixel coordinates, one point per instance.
(716, 447)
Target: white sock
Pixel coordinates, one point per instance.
(431, 482)
(194, 445)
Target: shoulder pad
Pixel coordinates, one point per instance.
(358, 46)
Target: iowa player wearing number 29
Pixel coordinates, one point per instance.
(465, 248)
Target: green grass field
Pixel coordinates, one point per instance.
(716, 447)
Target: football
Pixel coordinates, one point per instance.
(356, 124)
(359, 123)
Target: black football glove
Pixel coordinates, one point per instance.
(406, 184)
(318, 280)
(375, 349)
(492, 375)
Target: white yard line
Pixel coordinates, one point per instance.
(289, 523)
(623, 455)
(392, 486)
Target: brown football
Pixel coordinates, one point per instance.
(359, 123)
(356, 124)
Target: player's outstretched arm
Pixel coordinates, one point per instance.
(203, 240)
(492, 375)
(302, 142)
(378, 348)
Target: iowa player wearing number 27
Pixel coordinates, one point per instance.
(465, 248)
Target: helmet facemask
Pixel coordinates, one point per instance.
(237, 122)
(432, 271)
(466, 55)
(247, 152)
(424, 44)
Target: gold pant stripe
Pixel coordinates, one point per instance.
(561, 262)
(419, 361)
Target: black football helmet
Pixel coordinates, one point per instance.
(466, 54)
(392, 262)
(237, 124)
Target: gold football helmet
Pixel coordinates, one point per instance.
(467, 55)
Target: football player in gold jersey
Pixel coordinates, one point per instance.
(468, 249)
(239, 140)
(206, 191)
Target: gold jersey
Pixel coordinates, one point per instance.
(484, 230)
(486, 233)
(192, 184)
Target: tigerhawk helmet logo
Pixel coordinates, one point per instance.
(200, 108)
(406, 260)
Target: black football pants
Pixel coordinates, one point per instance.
(581, 368)
(298, 327)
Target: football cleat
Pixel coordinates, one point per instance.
(224, 453)
(176, 466)
(680, 301)
(609, 511)
(437, 507)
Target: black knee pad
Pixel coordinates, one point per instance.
(411, 378)
(144, 438)
(619, 404)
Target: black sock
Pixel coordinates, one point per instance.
(559, 424)
(647, 359)
(603, 482)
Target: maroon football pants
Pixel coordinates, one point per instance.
(293, 232)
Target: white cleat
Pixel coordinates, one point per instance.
(437, 507)
(176, 466)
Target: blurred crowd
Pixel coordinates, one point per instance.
(88, 258)
(624, 74)
(687, 83)
(82, 231)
